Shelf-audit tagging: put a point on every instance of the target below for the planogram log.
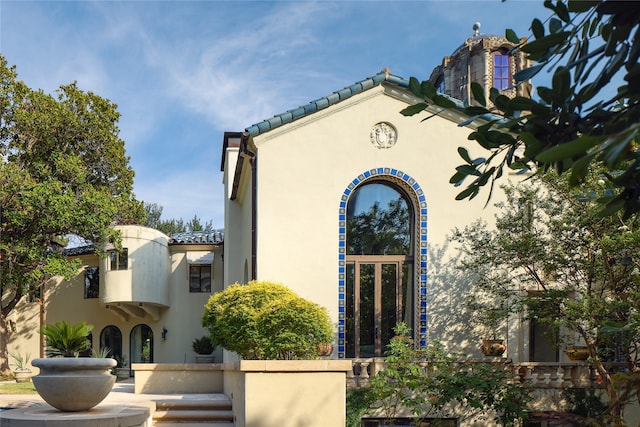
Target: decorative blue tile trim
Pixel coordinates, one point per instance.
(412, 188)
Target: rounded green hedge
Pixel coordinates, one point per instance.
(266, 320)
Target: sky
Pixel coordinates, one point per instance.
(184, 72)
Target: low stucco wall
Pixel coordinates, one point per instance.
(178, 378)
(264, 393)
(283, 393)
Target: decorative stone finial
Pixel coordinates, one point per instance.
(476, 28)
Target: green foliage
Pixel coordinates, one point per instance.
(102, 353)
(121, 361)
(264, 320)
(582, 270)
(202, 345)
(577, 121)
(63, 170)
(65, 340)
(153, 213)
(21, 360)
(424, 381)
(359, 402)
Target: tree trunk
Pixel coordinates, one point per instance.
(4, 338)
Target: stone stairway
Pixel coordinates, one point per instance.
(215, 412)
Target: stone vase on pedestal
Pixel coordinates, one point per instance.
(74, 383)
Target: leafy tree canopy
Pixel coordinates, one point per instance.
(63, 171)
(172, 226)
(576, 121)
(552, 257)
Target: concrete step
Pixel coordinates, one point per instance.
(219, 403)
(193, 415)
(212, 412)
(187, 424)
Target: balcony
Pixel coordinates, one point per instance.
(539, 375)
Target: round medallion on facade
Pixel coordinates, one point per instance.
(383, 135)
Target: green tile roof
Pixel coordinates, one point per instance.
(326, 101)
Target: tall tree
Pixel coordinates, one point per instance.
(171, 226)
(552, 258)
(577, 121)
(63, 170)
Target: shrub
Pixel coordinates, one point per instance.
(202, 345)
(65, 340)
(265, 320)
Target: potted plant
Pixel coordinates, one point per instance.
(491, 318)
(121, 370)
(68, 382)
(22, 373)
(203, 348)
(578, 352)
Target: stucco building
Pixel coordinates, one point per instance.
(344, 200)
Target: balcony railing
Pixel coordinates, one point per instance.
(531, 374)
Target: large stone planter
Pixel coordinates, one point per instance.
(74, 383)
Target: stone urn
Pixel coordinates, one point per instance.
(74, 383)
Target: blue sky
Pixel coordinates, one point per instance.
(184, 72)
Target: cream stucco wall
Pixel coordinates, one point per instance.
(237, 220)
(304, 168)
(180, 312)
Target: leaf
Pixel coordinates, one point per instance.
(569, 149)
(414, 109)
(555, 25)
(561, 83)
(428, 89)
(511, 36)
(464, 154)
(444, 102)
(537, 28)
(478, 93)
(415, 87)
(527, 73)
(467, 192)
(579, 6)
(545, 43)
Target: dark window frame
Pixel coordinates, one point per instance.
(198, 282)
(91, 282)
(119, 260)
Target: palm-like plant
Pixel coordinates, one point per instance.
(66, 340)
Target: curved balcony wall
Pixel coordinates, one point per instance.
(145, 281)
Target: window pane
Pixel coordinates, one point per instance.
(194, 278)
(123, 262)
(378, 221)
(113, 260)
(367, 310)
(91, 282)
(205, 278)
(350, 314)
(389, 307)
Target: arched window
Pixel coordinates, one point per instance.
(111, 338)
(379, 266)
(502, 78)
(141, 344)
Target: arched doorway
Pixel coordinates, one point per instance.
(111, 338)
(141, 344)
(379, 267)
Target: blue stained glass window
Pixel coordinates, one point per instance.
(501, 71)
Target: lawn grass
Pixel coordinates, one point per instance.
(17, 388)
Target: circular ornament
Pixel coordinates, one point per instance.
(383, 135)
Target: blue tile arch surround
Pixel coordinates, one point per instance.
(412, 188)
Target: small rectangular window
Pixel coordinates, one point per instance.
(200, 278)
(91, 282)
(501, 72)
(119, 260)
